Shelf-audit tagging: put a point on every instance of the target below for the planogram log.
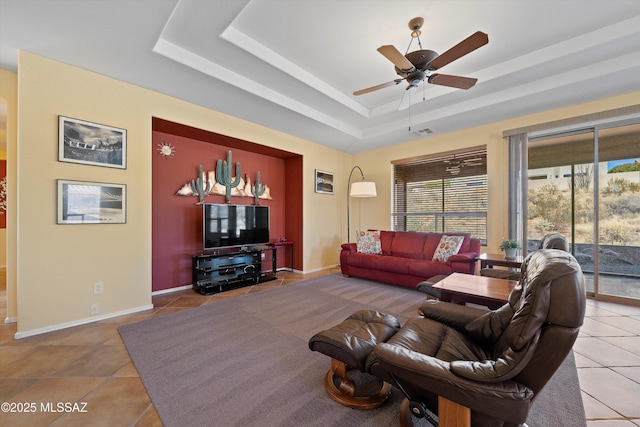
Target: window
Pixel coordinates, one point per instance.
(442, 193)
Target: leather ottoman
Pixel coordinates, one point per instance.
(348, 344)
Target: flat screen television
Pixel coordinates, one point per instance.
(234, 225)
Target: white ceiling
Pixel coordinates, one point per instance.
(293, 65)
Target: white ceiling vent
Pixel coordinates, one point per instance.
(422, 132)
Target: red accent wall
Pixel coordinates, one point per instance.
(3, 174)
(293, 213)
(177, 220)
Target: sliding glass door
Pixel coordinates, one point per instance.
(618, 226)
(585, 185)
(560, 193)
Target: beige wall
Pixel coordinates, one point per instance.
(9, 95)
(376, 165)
(58, 264)
(376, 212)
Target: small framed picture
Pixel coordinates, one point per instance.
(324, 182)
(91, 143)
(81, 202)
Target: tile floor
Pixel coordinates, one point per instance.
(89, 364)
(608, 358)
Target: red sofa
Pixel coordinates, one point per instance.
(406, 258)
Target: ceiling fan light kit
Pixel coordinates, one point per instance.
(455, 165)
(414, 67)
(423, 132)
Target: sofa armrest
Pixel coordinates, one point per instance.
(345, 253)
(463, 257)
(463, 262)
(350, 247)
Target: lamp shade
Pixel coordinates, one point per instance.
(363, 189)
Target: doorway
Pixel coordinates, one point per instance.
(585, 184)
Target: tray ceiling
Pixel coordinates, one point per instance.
(293, 65)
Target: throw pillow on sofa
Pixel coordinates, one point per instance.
(369, 242)
(449, 245)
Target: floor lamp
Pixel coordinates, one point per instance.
(358, 189)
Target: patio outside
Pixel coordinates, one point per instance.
(566, 206)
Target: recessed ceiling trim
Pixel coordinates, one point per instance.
(556, 81)
(191, 60)
(582, 43)
(276, 60)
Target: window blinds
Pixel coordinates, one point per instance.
(443, 193)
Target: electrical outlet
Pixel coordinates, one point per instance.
(98, 288)
(95, 308)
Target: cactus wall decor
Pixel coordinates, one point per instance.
(244, 189)
(200, 186)
(224, 169)
(257, 189)
(221, 182)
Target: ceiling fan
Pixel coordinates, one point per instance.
(455, 165)
(415, 67)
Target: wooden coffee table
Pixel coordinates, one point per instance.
(460, 288)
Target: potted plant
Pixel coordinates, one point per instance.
(509, 247)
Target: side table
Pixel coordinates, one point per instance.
(488, 261)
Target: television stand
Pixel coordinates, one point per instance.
(214, 273)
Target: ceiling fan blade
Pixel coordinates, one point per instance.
(382, 86)
(466, 46)
(406, 98)
(452, 81)
(394, 55)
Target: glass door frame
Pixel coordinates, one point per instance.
(518, 186)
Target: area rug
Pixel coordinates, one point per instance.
(246, 361)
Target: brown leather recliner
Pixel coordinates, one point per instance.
(554, 241)
(495, 362)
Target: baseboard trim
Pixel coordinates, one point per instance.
(315, 270)
(92, 319)
(8, 320)
(171, 290)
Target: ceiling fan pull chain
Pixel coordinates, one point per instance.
(409, 114)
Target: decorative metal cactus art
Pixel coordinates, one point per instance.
(257, 189)
(224, 176)
(201, 186)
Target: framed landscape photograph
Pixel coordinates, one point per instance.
(81, 202)
(324, 182)
(91, 143)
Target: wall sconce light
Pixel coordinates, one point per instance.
(358, 189)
